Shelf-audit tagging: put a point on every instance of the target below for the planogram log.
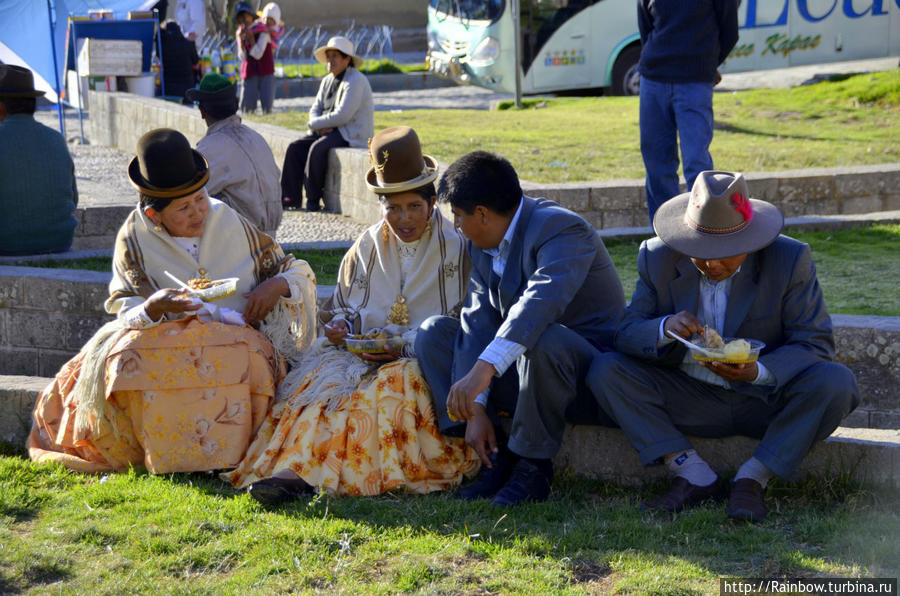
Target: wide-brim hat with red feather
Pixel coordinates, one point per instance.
(717, 219)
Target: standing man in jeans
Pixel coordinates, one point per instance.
(683, 42)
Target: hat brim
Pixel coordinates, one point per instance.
(21, 94)
(196, 183)
(763, 229)
(428, 175)
(320, 55)
(222, 95)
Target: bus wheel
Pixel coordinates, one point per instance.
(626, 80)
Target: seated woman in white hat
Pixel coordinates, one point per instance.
(343, 115)
(175, 383)
(365, 424)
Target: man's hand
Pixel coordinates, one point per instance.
(480, 435)
(461, 399)
(263, 299)
(736, 373)
(683, 324)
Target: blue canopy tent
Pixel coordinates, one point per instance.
(33, 33)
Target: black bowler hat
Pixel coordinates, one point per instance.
(166, 166)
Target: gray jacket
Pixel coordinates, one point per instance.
(775, 298)
(354, 110)
(557, 271)
(243, 173)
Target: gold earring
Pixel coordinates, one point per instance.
(157, 227)
(385, 231)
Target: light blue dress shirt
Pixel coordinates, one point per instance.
(713, 305)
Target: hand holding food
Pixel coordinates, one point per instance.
(336, 330)
(170, 300)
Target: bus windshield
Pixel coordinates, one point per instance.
(470, 10)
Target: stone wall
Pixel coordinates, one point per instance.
(119, 119)
(46, 315)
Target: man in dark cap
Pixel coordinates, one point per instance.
(37, 175)
(719, 268)
(242, 170)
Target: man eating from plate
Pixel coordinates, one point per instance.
(718, 262)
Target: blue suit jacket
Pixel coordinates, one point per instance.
(558, 271)
(775, 298)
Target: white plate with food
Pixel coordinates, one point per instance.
(715, 348)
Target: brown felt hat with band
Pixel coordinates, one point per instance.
(17, 82)
(717, 219)
(166, 166)
(398, 164)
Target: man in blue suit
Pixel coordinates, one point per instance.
(544, 298)
(719, 263)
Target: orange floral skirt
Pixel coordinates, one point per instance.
(183, 396)
(381, 437)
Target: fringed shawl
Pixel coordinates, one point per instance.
(368, 284)
(230, 247)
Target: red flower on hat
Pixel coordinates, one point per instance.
(742, 205)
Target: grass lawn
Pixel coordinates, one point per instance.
(370, 66)
(856, 267)
(68, 533)
(834, 123)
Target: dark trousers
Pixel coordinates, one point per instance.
(305, 165)
(543, 392)
(656, 406)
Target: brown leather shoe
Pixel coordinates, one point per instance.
(682, 495)
(747, 501)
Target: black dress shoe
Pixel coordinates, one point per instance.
(528, 482)
(747, 501)
(683, 495)
(490, 480)
(273, 491)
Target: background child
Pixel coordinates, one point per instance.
(257, 62)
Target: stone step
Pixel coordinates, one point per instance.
(46, 315)
(866, 455)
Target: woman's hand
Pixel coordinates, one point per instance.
(336, 330)
(170, 300)
(263, 299)
(389, 355)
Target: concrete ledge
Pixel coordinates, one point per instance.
(867, 455)
(119, 119)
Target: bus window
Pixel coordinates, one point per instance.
(470, 10)
(541, 19)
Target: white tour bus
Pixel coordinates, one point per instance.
(586, 44)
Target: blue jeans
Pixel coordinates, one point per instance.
(668, 109)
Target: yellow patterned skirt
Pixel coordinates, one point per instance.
(379, 437)
(183, 396)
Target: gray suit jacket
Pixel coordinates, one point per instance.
(558, 271)
(354, 109)
(775, 298)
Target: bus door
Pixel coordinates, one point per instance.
(556, 36)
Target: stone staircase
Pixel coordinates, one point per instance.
(46, 315)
